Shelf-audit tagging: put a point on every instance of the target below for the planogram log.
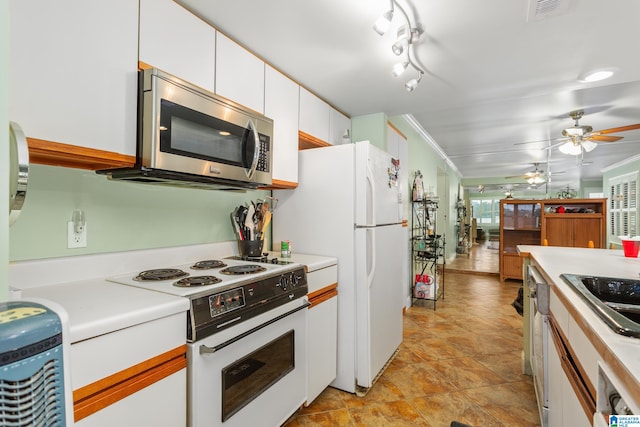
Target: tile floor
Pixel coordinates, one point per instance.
(460, 362)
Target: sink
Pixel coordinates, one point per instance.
(616, 301)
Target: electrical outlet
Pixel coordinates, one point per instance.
(76, 240)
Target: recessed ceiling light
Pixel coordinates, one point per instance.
(596, 76)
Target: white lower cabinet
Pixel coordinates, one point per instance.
(323, 330)
(323, 326)
(154, 405)
(132, 377)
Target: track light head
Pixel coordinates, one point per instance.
(399, 68)
(381, 26)
(413, 83)
(402, 41)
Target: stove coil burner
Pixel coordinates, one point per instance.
(208, 264)
(160, 274)
(243, 269)
(193, 281)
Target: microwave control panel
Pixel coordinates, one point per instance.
(265, 153)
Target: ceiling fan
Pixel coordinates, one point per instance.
(536, 176)
(581, 137)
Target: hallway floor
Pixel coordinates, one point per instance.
(460, 362)
(483, 258)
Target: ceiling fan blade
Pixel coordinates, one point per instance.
(556, 144)
(619, 129)
(541, 140)
(604, 138)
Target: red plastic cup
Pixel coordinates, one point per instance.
(631, 248)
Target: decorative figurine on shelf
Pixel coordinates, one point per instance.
(418, 188)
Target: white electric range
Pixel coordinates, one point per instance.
(246, 336)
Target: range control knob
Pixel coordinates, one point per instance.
(293, 279)
(284, 282)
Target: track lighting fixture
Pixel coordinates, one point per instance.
(413, 83)
(406, 37)
(383, 23)
(399, 68)
(402, 41)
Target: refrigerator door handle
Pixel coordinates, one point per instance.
(371, 199)
(371, 247)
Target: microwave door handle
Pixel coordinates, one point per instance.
(256, 152)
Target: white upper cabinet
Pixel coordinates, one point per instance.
(281, 105)
(239, 74)
(338, 125)
(176, 41)
(73, 71)
(315, 115)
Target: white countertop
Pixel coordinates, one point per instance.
(312, 262)
(555, 261)
(98, 307)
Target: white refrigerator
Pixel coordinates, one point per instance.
(348, 205)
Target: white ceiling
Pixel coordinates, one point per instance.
(494, 78)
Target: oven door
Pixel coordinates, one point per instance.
(254, 373)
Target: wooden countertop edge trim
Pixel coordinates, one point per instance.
(587, 402)
(618, 368)
(96, 396)
(321, 295)
(52, 153)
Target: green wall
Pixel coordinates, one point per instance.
(372, 128)
(120, 216)
(437, 175)
(4, 147)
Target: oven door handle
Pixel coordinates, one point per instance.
(210, 350)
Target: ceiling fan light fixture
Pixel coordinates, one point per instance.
(570, 148)
(535, 180)
(588, 145)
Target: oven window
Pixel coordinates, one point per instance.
(191, 133)
(247, 378)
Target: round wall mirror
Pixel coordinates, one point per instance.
(18, 170)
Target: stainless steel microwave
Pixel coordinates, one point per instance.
(190, 137)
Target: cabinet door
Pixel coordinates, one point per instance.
(323, 339)
(73, 71)
(338, 125)
(239, 74)
(281, 105)
(585, 230)
(512, 266)
(314, 115)
(176, 41)
(559, 232)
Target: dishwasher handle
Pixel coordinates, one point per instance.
(538, 289)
